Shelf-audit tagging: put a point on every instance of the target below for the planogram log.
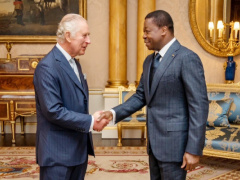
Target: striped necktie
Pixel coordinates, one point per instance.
(74, 67)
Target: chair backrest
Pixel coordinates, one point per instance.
(124, 95)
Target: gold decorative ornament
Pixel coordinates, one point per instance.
(34, 64)
(9, 47)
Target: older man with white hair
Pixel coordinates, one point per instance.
(63, 138)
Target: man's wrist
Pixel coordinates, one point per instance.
(91, 126)
(114, 116)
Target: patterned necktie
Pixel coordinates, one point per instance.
(154, 66)
(74, 67)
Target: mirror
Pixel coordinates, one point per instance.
(201, 12)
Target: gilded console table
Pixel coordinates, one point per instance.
(16, 90)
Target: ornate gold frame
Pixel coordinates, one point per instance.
(201, 40)
(224, 87)
(221, 154)
(40, 39)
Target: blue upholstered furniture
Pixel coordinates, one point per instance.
(222, 140)
(136, 120)
(223, 129)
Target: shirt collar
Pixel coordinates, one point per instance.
(66, 55)
(163, 51)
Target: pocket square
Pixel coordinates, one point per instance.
(85, 76)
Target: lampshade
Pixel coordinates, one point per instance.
(210, 25)
(236, 25)
(220, 25)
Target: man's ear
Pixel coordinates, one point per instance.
(67, 36)
(164, 30)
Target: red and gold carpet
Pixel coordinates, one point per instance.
(112, 163)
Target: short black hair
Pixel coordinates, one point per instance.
(161, 18)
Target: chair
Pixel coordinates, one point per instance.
(136, 120)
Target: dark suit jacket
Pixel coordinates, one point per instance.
(177, 105)
(63, 122)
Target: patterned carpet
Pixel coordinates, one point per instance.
(112, 163)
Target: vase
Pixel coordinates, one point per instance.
(230, 70)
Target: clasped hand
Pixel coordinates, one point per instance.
(101, 119)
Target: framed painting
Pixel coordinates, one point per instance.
(35, 21)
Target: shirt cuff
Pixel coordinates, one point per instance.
(91, 127)
(114, 116)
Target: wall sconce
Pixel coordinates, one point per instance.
(211, 28)
(228, 46)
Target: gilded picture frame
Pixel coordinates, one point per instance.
(34, 25)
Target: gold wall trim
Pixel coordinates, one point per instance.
(17, 93)
(95, 90)
(115, 92)
(111, 90)
(18, 123)
(111, 128)
(20, 75)
(110, 96)
(95, 93)
(31, 56)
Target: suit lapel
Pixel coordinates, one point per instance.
(67, 68)
(146, 74)
(164, 64)
(83, 80)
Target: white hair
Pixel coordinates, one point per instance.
(70, 23)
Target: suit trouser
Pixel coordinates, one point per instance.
(165, 170)
(63, 172)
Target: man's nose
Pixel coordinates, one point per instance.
(88, 40)
(144, 36)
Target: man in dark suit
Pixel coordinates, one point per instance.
(173, 87)
(64, 125)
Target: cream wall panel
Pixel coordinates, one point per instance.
(96, 101)
(95, 61)
(132, 40)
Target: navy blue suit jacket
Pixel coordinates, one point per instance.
(177, 104)
(63, 121)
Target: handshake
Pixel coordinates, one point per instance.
(101, 120)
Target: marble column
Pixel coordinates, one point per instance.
(117, 44)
